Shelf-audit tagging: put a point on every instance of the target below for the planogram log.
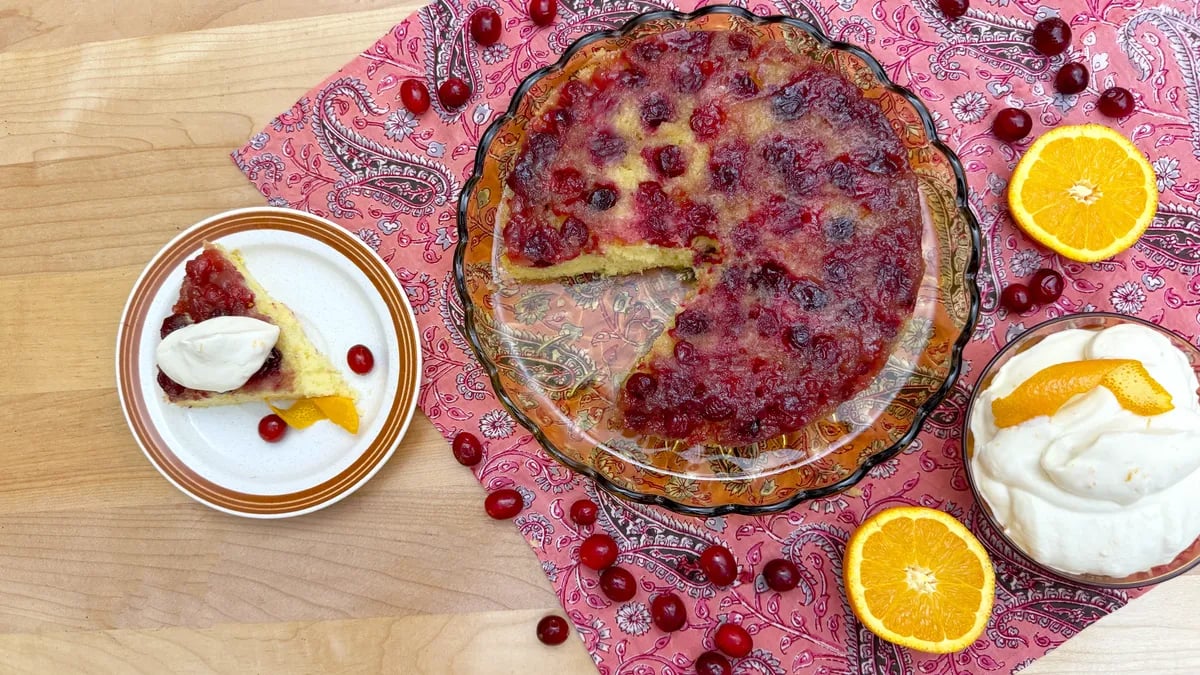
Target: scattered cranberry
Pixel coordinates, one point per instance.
(170, 387)
(1051, 36)
(1046, 286)
(360, 359)
(713, 663)
(173, 323)
(485, 26)
(542, 11)
(271, 428)
(503, 504)
(467, 448)
(414, 95)
(668, 612)
(954, 8)
(583, 512)
(598, 551)
(719, 565)
(1115, 102)
(553, 630)
(453, 93)
(1012, 124)
(1071, 79)
(781, 575)
(1016, 298)
(618, 584)
(733, 640)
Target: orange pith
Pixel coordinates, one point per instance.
(1049, 389)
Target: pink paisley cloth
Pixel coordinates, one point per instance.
(349, 151)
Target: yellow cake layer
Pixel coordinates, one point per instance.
(615, 260)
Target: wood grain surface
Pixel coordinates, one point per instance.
(116, 124)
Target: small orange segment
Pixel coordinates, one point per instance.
(917, 577)
(1050, 388)
(307, 411)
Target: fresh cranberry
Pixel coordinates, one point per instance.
(618, 584)
(1012, 124)
(414, 95)
(719, 565)
(1072, 78)
(641, 385)
(360, 359)
(1115, 102)
(954, 8)
(598, 551)
(454, 93)
(1051, 36)
(467, 448)
(542, 11)
(485, 26)
(584, 511)
(271, 428)
(781, 575)
(667, 612)
(733, 640)
(503, 504)
(1016, 298)
(173, 323)
(170, 387)
(670, 161)
(1046, 286)
(713, 663)
(602, 198)
(553, 630)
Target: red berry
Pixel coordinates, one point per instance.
(1072, 78)
(553, 630)
(1012, 124)
(719, 565)
(1046, 286)
(1051, 36)
(598, 551)
(454, 93)
(733, 640)
(1016, 298)
(485, 26)
(467, 449)
(713, 663)
(953, 8)
(503, 504)
(781, 575)
(667, 612)
(618, 584)
(542, 11)
(271, 428)
(414, 95)
(1115, 102)
(360, 359)
(583, 512)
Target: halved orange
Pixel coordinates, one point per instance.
(1084, 191)
(917, 577)
(1051, 387)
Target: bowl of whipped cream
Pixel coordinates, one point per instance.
(1091, 487)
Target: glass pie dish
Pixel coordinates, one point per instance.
(557, 351)
(1186, 559)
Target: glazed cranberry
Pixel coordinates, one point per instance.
(271, 428)
(173, 323)
(742, 85)
(454, 93)
(553, 630)
(641, 385)
(670, 161)
(1012, 124)
(360, 359)
(781, 575)
(733, 640)
(667, 612)
(1051, 36)
(485, 26)
(954, 8)
(1115, 102)
(602, 198)
(1016, 298)
(415, 96)
(1072, 78)
(606, 145)
(270, 366)
(618, 584)
(467, 448)
(170, 387)
(719, 565)
(503, 504)
(655, 110)
(1046, 286)
(691, 321)
(598, 551)
(584, 511)
(542, 11)
(798, 336)
(713, 663)
(707, 120)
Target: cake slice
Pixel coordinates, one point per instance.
(216, 284)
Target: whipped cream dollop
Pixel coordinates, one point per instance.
(1094, 488)
(219, 354)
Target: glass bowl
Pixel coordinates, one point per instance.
(557, 351)
(1089, 321)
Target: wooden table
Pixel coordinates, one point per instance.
(116, 124)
